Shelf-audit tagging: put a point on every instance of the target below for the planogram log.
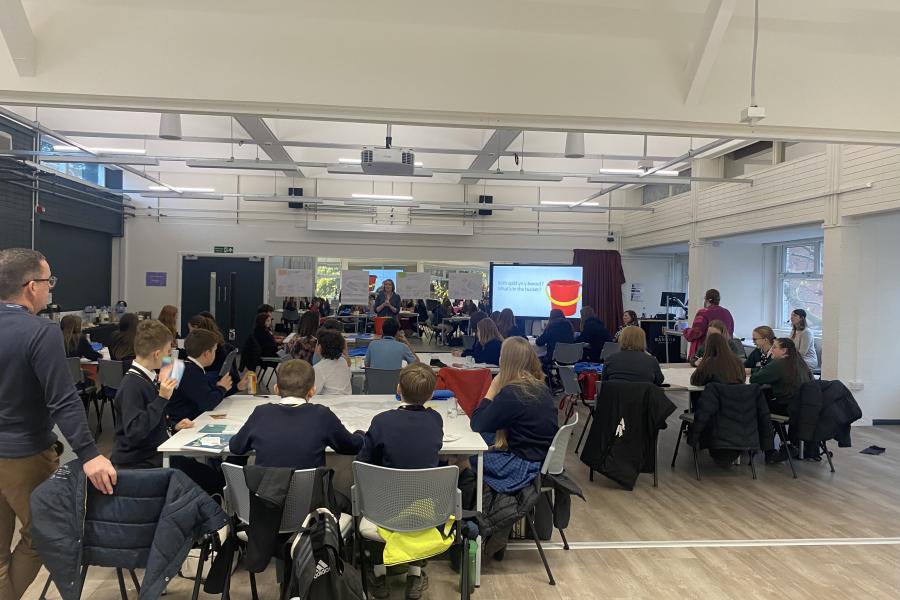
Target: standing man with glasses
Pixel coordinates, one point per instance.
(36, 391)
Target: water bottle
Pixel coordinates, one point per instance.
(452, 408)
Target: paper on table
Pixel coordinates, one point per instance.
(229, 429)
(212, 443)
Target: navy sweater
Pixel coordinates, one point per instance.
(293, 436)
(554, 333)
(528, 415)
(83, 350)
(408, 437)
(36, 388)
(141, 426)
(594, 334)
(195, 395)
(489, 354)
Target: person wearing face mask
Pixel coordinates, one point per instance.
(763, 339)
(36, 391)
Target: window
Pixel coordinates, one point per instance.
(94, 173)
(800, 275)
(328, 278)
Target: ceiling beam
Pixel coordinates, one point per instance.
(337, 146)
(263, 137)
(706, 51)
(18, 35)
(496, 145)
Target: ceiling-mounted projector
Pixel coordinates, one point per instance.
(387, 161)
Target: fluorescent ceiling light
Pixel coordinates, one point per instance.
(98, 160)
(561, 203)
(357, 170)
(65, 148)
(160, 188)
(358, 161)
(569, 209)
(470, 206)
(252, 164)
(511, 176)
(416, 229)
(381, 196)
(637, 172)
(186, 196)
(383, 204)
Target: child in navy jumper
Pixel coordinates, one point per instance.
(294, 432)
(408, 437)
(141, 401)
(196, 394)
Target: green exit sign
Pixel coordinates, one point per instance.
(224, 249)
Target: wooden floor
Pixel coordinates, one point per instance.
(820, 536)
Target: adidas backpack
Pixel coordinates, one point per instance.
(317, 570)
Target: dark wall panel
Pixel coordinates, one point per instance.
(82, 260)
(15, 202)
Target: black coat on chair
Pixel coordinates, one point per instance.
(627, 420)
(731, 417)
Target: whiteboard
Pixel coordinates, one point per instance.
(293, 282)
(465, 286)
(355, 287)
(413, 286)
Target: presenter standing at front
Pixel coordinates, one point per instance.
(387, 302)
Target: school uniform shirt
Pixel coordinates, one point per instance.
(83, 350)
(634, 366)
(293, 433)
(388, 353)
(757, 359)
(557, 332)
(195, 394)
(488, 354)
(528, 414)
(333, 377)
(141, 426)
(408, 437)
(593, 335)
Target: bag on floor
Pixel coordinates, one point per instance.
(317, 570)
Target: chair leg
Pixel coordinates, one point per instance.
(827, 455)
(121, 579)
(134, 580)
(204, 553)
(587, 425)
(253, 593)
(463, 569)
(782, 433)
(43, 595)
(696, 461)
(553, 511)
(752, 464)
(540, 548)
(362, 558)
(681, 432)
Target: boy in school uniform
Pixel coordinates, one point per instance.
(294, 432)
(408, 437)
(141, 401)
(196, 394)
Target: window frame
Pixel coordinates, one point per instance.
(783, 313)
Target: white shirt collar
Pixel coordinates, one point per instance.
(194, 360)
(149, 373)
(292, 400)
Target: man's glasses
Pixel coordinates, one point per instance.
(51, 281)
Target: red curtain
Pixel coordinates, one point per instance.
(602, 284)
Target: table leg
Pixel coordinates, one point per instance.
(479, 487)
(165, 460)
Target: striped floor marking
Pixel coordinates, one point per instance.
(625, 545)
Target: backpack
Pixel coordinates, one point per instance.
(317, 570)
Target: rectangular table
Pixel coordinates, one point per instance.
(357, 367)
(356, 413)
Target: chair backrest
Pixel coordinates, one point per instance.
(569, 380)
(110, 373)
(609, 348)
(405, 499)
(296, 506)
(555, 461)
(382, 381)
(74, 364)
(568, 354)
(468, 342)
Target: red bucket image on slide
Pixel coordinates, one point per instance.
(564, 294)
(372, 280)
